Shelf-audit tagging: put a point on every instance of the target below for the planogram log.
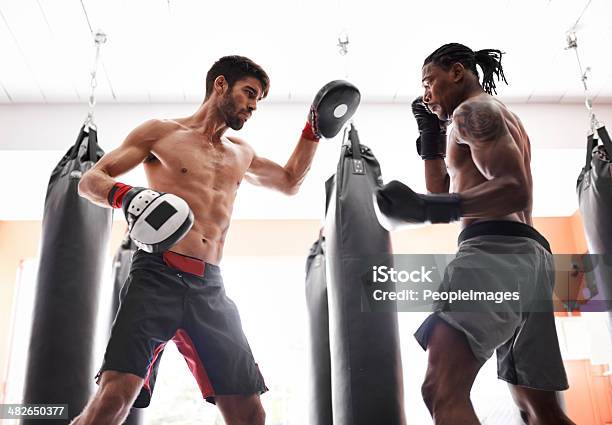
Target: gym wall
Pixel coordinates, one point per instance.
(270, 224)
(20, 240)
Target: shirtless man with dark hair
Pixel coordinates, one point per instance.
(486, 183)
(178, 294)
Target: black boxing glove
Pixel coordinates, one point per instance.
(431, 143)
(396, 204)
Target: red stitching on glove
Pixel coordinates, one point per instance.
(308, 133)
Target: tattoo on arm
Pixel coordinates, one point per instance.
(479, 121)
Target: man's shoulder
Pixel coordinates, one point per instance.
(479, 118)
(481, 103)
(155, 129)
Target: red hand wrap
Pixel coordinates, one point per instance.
(116, 194)
(307, 132)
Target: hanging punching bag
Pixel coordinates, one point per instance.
(366, 365)
(121, 269)
(320, 403)
(594, 189)
(75, 235)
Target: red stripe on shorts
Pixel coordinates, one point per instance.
(187, 348)
(158, 350)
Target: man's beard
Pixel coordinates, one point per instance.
(228, 111)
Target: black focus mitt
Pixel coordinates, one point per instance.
(332, 107)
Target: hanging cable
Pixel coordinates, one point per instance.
(99, 40)
(343, 50)
(572, 43)
(575, 26)
(342, 41)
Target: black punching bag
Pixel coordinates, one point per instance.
(594, 189)
(319, 371)
(366, 364)
(121, 269)
(75, 235)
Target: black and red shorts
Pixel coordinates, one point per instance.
(169, 296)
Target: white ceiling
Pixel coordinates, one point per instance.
(160, 50)
(158, 53)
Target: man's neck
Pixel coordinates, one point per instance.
(208, 121)
(469, 92)
(472, 90)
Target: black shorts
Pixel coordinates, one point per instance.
(169, 296)
(502, 256)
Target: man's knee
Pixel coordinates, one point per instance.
(553, 415)
(113, 400)
(253, 415)
(114, 397)
(539, 407)
(439, 393)
(258, 416)
(546, 418)
(428, 391)
(242, 410)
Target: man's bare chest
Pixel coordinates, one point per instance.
(191, 157)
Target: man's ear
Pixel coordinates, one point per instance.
(457, 72)
(220, 85)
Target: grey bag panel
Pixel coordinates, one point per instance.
(595, 179)
(354, 206)
(74, 240)
(594, 189)
(595, 197)
(320, 402)
(367, 381)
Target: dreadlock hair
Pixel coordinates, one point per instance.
(488, 59)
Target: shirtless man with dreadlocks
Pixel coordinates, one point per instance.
(486, 183)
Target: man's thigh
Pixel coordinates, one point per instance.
(450, 358)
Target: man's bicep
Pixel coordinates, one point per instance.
(254, 172)
(498, 158)
(121, 160)
(263, 171)
(134, 149)
(267, 173)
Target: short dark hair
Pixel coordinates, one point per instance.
(234, 68)
(488, 59)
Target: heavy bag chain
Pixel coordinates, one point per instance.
(572, 43)
(343, 45)
(99, 39)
